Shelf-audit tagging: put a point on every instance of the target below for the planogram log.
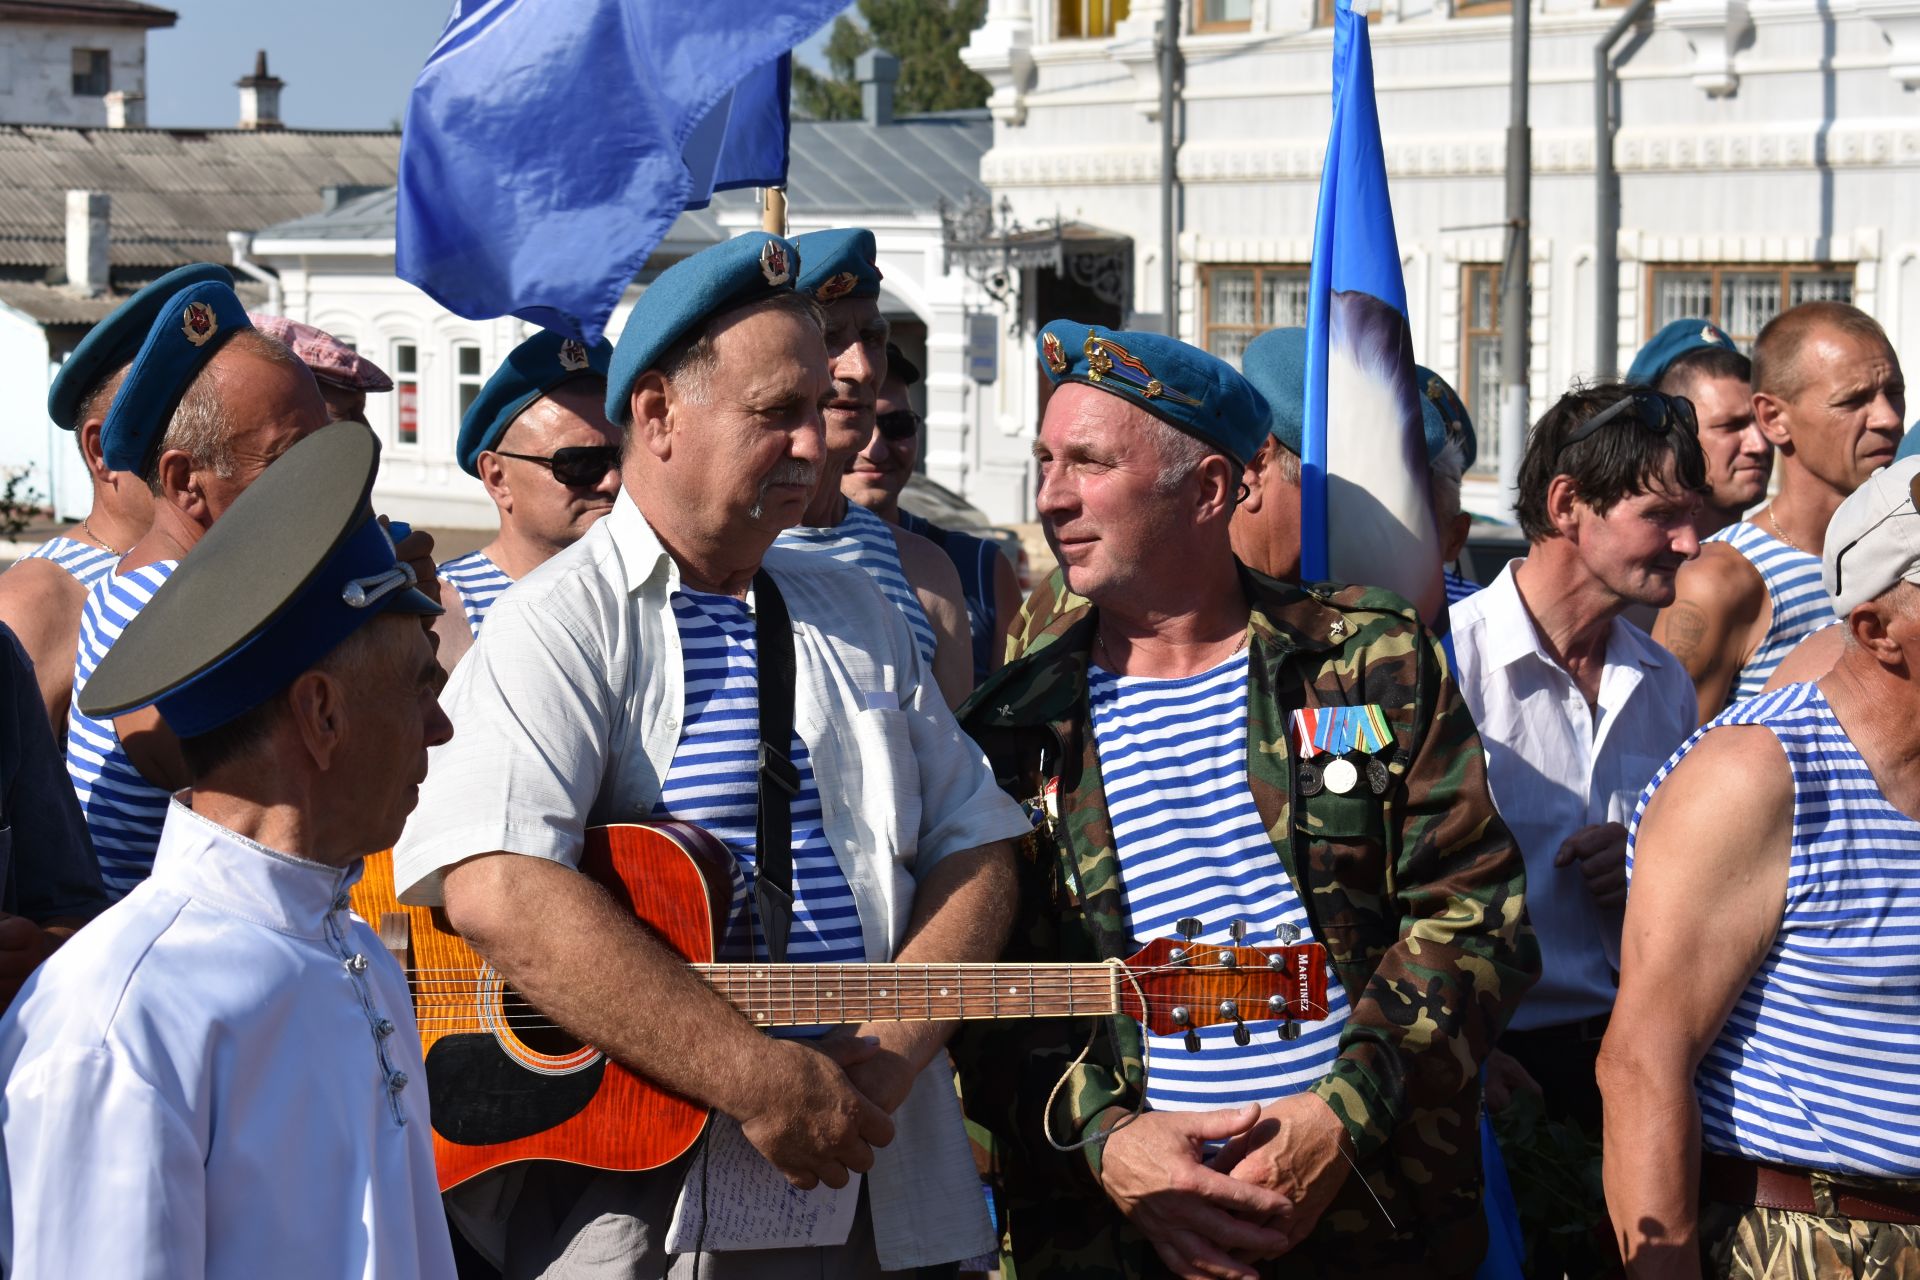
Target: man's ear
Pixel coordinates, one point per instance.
(1562, 499)
(651, 404)
(180, 485)
(1770, 415)
(92, 451)
(493, 474)
(317, 704)
(1254, 477)
(1219, 480)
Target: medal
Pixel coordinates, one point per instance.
(1377, 777)
(1340, 776)
(1309, 779)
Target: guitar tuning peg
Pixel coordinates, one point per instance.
(1187, 927)
(1241, 1036)
(1238, 930)
(1289, 1030)
(1288, 932)
(1192, 1040)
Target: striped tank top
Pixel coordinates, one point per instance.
(1799, 602)
(977, 561)
(711, 783)
(1173, 757)
(124, 811)
(86, 562)
(1818, 1062)
(478, 581)
(864, 540)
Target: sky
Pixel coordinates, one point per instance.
(348, 64)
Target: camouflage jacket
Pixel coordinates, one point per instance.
(1416, 893)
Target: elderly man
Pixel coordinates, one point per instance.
(206, 404)
(1828, 394)
(1170, 739)
(538, 438)
(218, 1076)
(1760, 1073)
(343, 375)
(1696, 360)
(638, 675)
(874, 480)
(838, 272)
(41, 595)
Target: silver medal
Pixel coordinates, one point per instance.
(1340, 776)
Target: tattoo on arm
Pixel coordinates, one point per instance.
(1685, 630)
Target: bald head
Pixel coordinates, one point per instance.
(1780, 366)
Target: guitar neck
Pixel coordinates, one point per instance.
(801, 995)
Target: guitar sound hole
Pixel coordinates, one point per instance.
(534, 1029)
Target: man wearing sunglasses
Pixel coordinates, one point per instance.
(1828, 393)
(1577, 707)
(538, 438)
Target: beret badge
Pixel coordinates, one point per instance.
(1108, 359)
(773, 263)
(198, 323)
(573, 355)
(835, 287)
(1707, 334)
(1056, 358)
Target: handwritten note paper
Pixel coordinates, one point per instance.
(734, 1199)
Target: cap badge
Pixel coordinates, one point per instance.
(198, 323)
(1108, 359)
(1055, 356)
(1708, 335)
(773, 263)
(573, 355)
(835, 287)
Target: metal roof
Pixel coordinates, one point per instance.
(51, 304)
(176, 192)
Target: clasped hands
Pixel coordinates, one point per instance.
(1260, 1194)
(826, 1104)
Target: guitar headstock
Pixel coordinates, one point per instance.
(1187, 985)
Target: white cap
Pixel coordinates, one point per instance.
(1873, 540)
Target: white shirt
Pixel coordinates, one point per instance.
(205, 1081)
(566, 715)
(1555, 765)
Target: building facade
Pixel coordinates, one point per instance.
(78, 62)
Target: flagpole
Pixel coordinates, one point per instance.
(773, 210)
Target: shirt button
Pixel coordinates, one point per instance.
(357, 965)
(673, 724)
(383, 1028)
(397, 1081)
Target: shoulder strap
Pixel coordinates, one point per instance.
(778, 779)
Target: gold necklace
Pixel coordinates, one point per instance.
(87, 528)
(1781, 534)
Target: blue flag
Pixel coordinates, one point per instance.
(550, 144)
(1366, 514)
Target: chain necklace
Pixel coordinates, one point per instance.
(1781, 534)
(87, 529)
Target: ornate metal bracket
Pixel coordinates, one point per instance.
(994, 250)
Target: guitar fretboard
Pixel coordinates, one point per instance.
(799, 995)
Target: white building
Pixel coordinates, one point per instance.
(81, 62)
(1768, 151)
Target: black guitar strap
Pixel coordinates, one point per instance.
(778, 779)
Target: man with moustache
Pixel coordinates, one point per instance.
(624, 680)
(538, 438)
(1695, 359)
(839, 273)
(1828, 394)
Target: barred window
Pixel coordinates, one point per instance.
(1240, 303)
(406, 393)
(1480, 357)
(1224, 15)
(1740, 299)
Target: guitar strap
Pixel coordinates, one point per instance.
(778, 779)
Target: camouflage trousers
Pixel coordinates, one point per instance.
(1777, 1244)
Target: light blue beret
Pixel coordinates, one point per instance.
(1185, 387)
(116, 340)
(1276, 364)
(1444, 414)
(1673, 341)
(729, 274)
(840, 264)
(1909, 443)
(186, 331)
(530, 371)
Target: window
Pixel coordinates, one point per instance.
(1741, 299)
(1083, 19)
(1480, 357)
(1223, 15)
(1239, 303)
(466, 375)
(92, 73)
(1325, 11)
(406, 393)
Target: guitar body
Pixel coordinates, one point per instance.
(504, 1086)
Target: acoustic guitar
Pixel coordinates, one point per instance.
(506, 1084)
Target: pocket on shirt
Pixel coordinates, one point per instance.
(887, 781)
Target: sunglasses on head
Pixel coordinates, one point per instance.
(1652, 412)
(577, 467)
(898, 424)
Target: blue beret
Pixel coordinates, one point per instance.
(840, 264)
(530, 371)
(187, 330)
(115, 340)
(1444, 415)
(1183, 386)
(1276, 364)
(1672, 342)
(729, 274)
(1909, 443)
(294, 567)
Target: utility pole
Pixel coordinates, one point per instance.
(1606, 192)
(1169, 75)
(1515, 305)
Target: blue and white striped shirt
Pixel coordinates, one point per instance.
(124, 811)
(86, 562)
(711, 784)
(1817, 1064)
(1459, 586)
(1798, 601)
(1173, 758)
(478, 581)
(864, 540)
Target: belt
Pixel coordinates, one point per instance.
(1732, 1180)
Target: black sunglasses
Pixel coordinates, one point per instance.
(899, 424)
(1654, 413)
(578, 467)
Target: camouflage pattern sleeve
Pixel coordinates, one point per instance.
(1041, 616)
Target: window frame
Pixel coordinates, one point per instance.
(1260, 270)
(462, 381)
(1114, 12)
(404, 380)
(103, 65)
(1224, 26)
(1486, 460)
(1717, 269)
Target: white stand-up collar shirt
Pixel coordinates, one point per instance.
(1555, 765)
(219, 1077)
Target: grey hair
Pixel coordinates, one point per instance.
(689, 365)
(1445, 472)
(1180, 454)
(1286, 463)
(201, 427)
